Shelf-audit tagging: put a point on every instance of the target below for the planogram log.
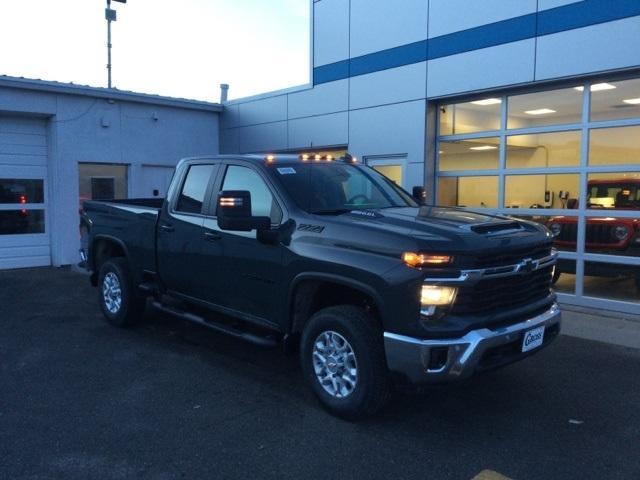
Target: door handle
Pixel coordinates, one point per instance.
(167, 228)
(211, 236)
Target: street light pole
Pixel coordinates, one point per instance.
(110, 16)
(108, 43)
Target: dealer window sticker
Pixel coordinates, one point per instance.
(286, 171)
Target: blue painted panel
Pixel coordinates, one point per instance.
(583, 14)
(391, 58)
(505, 31)
(331, 72)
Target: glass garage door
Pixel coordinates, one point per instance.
(568, 158)
(24, 233)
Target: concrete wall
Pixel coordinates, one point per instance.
(376, 63)
(85, 129)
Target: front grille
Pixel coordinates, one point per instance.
(509, 257)
(503, 293)
(596, 233)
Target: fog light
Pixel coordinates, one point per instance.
(435, 296)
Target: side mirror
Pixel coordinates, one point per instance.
(419, 194)
(234, 212)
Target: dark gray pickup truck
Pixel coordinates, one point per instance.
(328, 256)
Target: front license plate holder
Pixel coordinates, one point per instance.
(532, 339)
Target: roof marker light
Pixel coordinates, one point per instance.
(317, 158)
(270, 158)
(304, 157)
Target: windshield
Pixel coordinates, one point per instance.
(327, 188)
(614, 195)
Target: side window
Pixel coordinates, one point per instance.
(262, 202)
(193, 189)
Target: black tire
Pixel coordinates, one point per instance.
(359, 329)
(131, 309)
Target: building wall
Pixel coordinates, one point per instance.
(377, 63)
(85, 129)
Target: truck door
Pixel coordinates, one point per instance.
(251, 271)
(180, 229)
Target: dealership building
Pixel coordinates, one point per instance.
(528, 108)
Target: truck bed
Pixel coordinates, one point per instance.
(132, 223)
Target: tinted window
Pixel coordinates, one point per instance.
(194, 187)
(330, 187)
(262, 202)
(13, 190)
(20, 222)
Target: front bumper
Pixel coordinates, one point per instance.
(436, 361)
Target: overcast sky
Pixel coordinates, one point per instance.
(181, 48)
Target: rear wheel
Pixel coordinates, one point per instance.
(342, 356)
(119, 302)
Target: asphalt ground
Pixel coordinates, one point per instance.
(81, 399)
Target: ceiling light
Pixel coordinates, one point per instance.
(597, 87)
(540, 111)
(483, 147)
(487, 101)
(632, 101)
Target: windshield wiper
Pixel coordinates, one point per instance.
(335, 211)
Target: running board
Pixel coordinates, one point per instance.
(218, 327)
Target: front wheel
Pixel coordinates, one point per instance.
(118, 300)
(342, 356)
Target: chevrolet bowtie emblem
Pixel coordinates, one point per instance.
(527, 265)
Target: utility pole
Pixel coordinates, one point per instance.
(110, 16)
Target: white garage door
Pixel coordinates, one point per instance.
(156, 180)
(24, 216)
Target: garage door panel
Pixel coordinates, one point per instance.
(25, 262)
(24, 211)
(22, 125)
(14, 149)
(35, 140)
(27, 160)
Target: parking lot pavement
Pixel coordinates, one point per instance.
(81, 399)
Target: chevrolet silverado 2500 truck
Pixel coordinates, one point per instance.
(331, 256)
(605, 234)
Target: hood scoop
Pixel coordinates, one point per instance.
(491, 228)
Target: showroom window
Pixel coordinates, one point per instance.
(568, 158)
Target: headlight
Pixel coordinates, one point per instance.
(555, 228)
(620, 232)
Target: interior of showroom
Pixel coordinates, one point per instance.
(567, 157)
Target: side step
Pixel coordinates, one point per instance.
(219, 327)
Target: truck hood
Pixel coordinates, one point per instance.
(447, 229)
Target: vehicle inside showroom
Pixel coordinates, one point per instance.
(566, 157)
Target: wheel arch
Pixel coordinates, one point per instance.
(310, 292)
(102, 248)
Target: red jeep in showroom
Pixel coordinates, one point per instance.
(606, 234)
